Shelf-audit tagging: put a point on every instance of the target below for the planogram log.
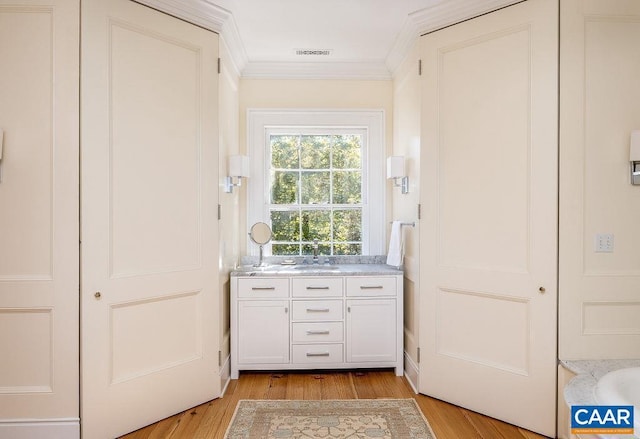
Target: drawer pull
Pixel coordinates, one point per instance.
(323, 332)
(317, 288)
(318, 354)
(318, 310)
(263, 288)
(371, 287)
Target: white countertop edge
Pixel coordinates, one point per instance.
(343, 270)
(580, 389)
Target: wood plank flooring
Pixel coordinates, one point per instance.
(210, 420)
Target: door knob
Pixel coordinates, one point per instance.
(542, 290)
(97, 295)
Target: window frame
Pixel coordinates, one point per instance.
(260, 121)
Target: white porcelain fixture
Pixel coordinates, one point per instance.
(621, 387)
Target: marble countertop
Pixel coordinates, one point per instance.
(317, 270)
(331, 266)
(580, 389)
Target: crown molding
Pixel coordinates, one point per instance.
(199, 12)
(209, 16)
(233, 42)
(317, 70)
(451, 12)
(215, 18)
(402, 46)
(432, 18)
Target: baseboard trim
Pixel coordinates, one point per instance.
(411, 372)
(59, 428)
(225, 375)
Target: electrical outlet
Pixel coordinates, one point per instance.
(604, 243)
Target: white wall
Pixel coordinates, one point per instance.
(312, 94)
(600, 92)
(406, 142)
(229, 224)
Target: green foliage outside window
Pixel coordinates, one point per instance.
(316, 193)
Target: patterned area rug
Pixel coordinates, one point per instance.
(331, 419)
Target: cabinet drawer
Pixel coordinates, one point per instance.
(317, 287)
(317, 353)
(317, 310)
(263, 287)
(371, 286)
(325, 332)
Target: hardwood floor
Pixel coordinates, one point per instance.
(210, 420)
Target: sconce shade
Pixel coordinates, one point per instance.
(395, 166)
(239, 166)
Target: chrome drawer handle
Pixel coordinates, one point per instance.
(311, 332)
(371, 287)
(317, 288)
(318, 354)
(262, 288)
(318, 310)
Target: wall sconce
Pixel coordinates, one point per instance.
(238, 168)
(634, 157)
(395, 170)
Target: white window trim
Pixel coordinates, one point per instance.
(373, 236)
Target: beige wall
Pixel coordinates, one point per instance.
(312, 94)
(406, 142)
(600, 91)
(229, 203)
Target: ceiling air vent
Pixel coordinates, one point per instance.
(313, 52)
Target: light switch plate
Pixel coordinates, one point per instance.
(604, 243)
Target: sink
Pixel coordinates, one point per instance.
(621, 387)
(316, 267)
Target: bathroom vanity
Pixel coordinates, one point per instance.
(316, 317)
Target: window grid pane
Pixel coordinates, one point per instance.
(309, 173)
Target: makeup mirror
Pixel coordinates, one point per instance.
(260, 233)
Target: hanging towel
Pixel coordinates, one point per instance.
(394, 257)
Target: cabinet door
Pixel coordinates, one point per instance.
(371, 330)
(263, 331)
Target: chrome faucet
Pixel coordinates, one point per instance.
(315, 251)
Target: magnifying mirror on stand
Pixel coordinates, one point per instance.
(260, 234)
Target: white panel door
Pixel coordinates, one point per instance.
(39, 252)
(150, 298)
(489, 229)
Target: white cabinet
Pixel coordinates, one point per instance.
(373, 319)
(313, 322)
(264, 338)
(371, 330)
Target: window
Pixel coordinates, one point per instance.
(316, 191)
(312, 177)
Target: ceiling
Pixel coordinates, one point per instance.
(354, 31)
(359, 39)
